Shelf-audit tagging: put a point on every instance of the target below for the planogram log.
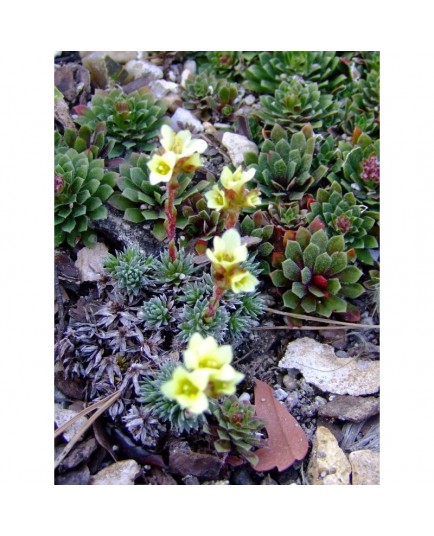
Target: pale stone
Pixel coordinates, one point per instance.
(138, 68)
(119, 56)
(62, 415)
(237, 145)
(161, 88)
(350, 408)
(118, 474)
(320, 366)
(183, 119)
(365, 466)
(90, 262)
(328, 464)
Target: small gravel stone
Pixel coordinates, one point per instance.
(118, 474)
(62, 415)
(365, 466)
(183, 118)
(139, 68)
(280, 394)
(237, 145)
(320, 367)
(328, 464)
(341, 353)
(351, 408)
(78, 477)
(162, 88)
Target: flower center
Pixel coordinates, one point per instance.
(225, 256)
(163, 168)
(187, 388)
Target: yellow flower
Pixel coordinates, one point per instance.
(253, 199)
(224, 381)
(191, 163)
(228, 251)
(206, 354)
(187, 388)
(161, 167)
(216, 198)
(236, 180)
(243, 281)
(181, 143)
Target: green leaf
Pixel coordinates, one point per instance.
(337, 305)
(247, 226)
(303, 237)
(306, 275)
(131, 194)
(320, 239)
(370, 242)
(299, 289)
(290, 300)
(319, 293)
(293, 251)
(352, 291)
(323, 310)
(350, 274)
(291, 270)
(104, 192)
(322, 263)
(365, 257)
(308, 304)
(119, 202)
(69, 225)
(278, 279)
(336, 243)
(339, 262)
(333, 286)
(265, 249)
(310, 254)
(99, 214)
(134, 215)
(159, 231)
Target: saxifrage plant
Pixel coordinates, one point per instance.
(133, 121)
(317, 273)
(81, 186)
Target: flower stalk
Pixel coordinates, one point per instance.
(179, 153)
(227, 273)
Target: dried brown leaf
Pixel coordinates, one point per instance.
(287, 441)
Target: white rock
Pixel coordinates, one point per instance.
(138, 68)
(328, 464)
(118, 474)
(320, 366)
(90, 262)
(365, 466)
(62, 415)
(161, 88)
(237, 145)
(191, 66)
(183, 118)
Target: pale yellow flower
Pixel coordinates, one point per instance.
(161, 167)
(216, 198)
(224, 381)
(187, 388)
(253, 199)
(192, 163)
(243, 281)
(206, 353)
(236, 180)
(228, 251)
(181, 143)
